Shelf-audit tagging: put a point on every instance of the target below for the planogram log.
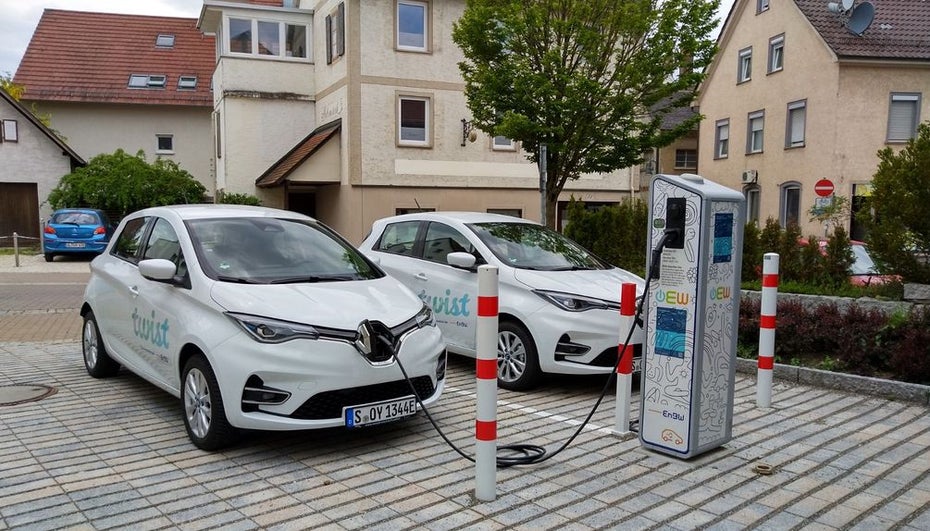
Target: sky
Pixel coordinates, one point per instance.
(18, 18)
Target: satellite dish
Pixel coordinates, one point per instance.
(861, 18)
(472, 135)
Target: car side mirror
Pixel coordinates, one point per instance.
(159, 270)
(461, 259)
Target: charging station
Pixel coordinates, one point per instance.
(692, 315)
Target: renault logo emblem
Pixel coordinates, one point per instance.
(363, 343)
(375, 342)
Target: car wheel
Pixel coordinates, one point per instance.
(517, 362)
(98, 363)
(49, 257)
(204, 415)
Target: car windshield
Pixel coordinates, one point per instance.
(531, 246)
(863, 265)
(74, 218)
(275, 251)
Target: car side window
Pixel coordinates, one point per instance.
(441, 240)
(163, 243)
(129, 240)
(398, 238)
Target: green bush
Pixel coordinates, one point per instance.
(616, 233)
(238, 199)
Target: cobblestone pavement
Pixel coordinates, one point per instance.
(114, 453)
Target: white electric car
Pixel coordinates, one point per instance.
(257, 319)
(559, 305)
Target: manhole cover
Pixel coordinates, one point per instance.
(10, 395)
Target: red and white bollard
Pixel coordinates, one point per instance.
(767, 330)
(486, 374)
(625, 368)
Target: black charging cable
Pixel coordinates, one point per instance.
(527, 454)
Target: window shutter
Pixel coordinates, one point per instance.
(797, 126)
(341, 30)
(901, 120)
(329, 36)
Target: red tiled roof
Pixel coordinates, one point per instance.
(88, 57)
(900, 30)
(278, 171)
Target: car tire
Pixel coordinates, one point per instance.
(202, 407)
(517, 361)
(97, 361)
(49, 257)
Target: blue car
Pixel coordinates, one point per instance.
(76, 231)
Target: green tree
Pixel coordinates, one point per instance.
(615, 233)
(591, 79)
(121, 183)
(838, 258)
(899, 228)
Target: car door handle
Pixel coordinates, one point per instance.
(420, 276)
(134, 290)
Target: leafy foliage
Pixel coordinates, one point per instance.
(615, 233)
(120, 183)
(581, 75)
(17, 91)
(899, 229)
(238, 199)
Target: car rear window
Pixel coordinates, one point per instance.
(76, 218)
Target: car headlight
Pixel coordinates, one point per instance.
(575, 303)
(267, 330)
(425, 317)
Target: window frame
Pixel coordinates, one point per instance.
(685, 152)
(783, 202)
(283, 42)
(776, 49)
(162, 151)
(427, 141)
(721, 145)
(164, 40)
(915, 101)
(425, 5)
(793, 107)
(9, 132)
(335, 34)
(751, 133)
(509, 146)
(744, 66)
(753, 194)
(762, 6)
(187, 82)
(513, 212)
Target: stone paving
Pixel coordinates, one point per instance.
(102, 454)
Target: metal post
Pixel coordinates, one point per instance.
(16, 249)
(486, 385)
(625, 368)
(543, 169)
(767, 330)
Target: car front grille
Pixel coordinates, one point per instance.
(608, 358)
(329, 404)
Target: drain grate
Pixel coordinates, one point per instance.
(11, 395)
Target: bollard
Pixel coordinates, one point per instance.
(767, 330)
(486, 385)
(16, 249)
(625, 368)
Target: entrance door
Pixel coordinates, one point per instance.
(303, 202)
(19, 212)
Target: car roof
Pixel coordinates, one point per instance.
(457, 216)
(203, 211)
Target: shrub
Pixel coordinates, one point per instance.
(752, 253)
(615, 233)
(909, 356)
(238, 199)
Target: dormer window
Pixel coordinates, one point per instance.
(187, 82)
(164, 40)
(147, 81)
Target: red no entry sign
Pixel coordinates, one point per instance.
(824, 187)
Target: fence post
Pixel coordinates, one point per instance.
(767, 330)
(486, 385)
(16, 249)
(625, 367)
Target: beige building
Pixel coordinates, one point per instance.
(801, 94)
(355, 110)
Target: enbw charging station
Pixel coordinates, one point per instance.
(692, 314)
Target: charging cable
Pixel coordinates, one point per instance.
(527, 454)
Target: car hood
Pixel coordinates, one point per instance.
(341, 305)
(602, 284)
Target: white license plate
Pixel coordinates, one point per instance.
(74, 245)
(378, 412)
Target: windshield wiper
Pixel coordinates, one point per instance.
(237, 280)
(571, 268)
(311, 278)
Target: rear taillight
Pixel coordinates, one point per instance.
(49, 229)
(100, 230)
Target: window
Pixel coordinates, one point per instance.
(762, 5)
(413, 116)
(797, 116)
(514, 212)
(502, 143)
(722, 139)
(686, 159)
(753, 195)
(755, 131)
(129, 240)
(274, 39)
(187, 82)
(744, 73)
(163, 243)
(164, 40)
(903, 116)
(412, 26)
(10, 131)
(157, 81)
(138, 81)
(296, 41)
(269, 38)
(147, 81)
(776, 53)
(335, 34)
(240, 35)
(417, 210)
(165, 144)
(441, 240)
(217, 130)
(790, 203)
